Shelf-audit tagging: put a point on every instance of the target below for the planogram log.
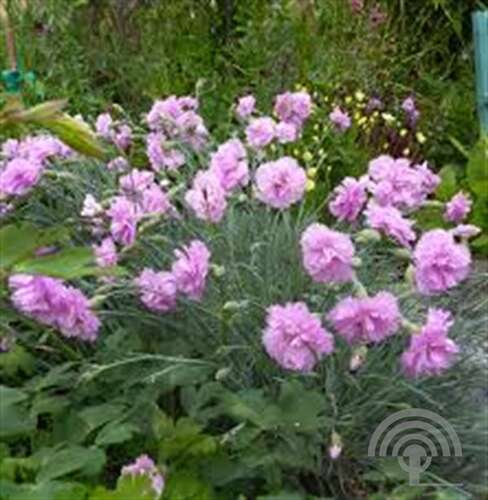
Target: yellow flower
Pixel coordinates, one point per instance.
(310, 184)
(348, 99)
(389, 118)
(321, 152)
(357, 115)
(403, 132)
(406, 152)
(385, 145)
(362, 121)
(296, 152)
(312, 172)
(420, 137)
(307, 156)
(316, 126)
(326, 99)
(359, 95)
(375, 114)
(316, 138)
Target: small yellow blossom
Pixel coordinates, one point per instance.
(403, 132)
(316, 138)
(385, 145)
(420, 137)
(312, 172)
(307, 156)
(296, 152)
(357, 115)
(326, 99)
(375, 114)
(321, 152)
(406, 152)
(348, 99)
(310, 184)
(360, 96)
(316, 126)
(362, 121)
(389, 118)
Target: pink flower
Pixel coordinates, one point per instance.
(440, 262)
(430, 352)
(229, 165)
(340, 119)
(157, 290)
(103, 125)
(280, 183)
(52, 303)
(207, 198)
(36, 149)
(155, 201)
(191, 269)
(245, 106)
(191, 130)
(348, 199)
(135, 182)
(293, 107)
(465, 231)
(106, 253)
(161, 155)
(327, 254)
(118, 164)
(145, 466)
(399, 183)
(458, 208)
(287, 132)
(164, 113)
(122, 136)
(260, 132)
(124, 219)
(357, 6)
(390, 221)
(294, 337)
(19, 176)
(366, 320)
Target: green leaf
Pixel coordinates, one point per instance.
(14, 418)
(67, 264)
(185, 485)
(50, 490)
(10, 396)
(96, 416)
(115, 432)
(60, 462)
(17, 242)
(477, 169)
(448, 186)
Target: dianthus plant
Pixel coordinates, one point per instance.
(208, 251)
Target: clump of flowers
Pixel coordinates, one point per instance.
(348, 199)
(145, 466)
(157, 290)
(207, 197)
(229, 165)
(458, 208)
(340, 119)
(294, 337)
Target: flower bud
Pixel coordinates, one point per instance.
(222, 373)
(358, 358)
(368, 235)
(335, 448)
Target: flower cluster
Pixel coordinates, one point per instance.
(292, 110)
(145, 466)
(119, 133)
(22, 163)
(159, 290)
(55, 304)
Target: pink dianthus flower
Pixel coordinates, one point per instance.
(52, 303)
(431, 352)
(260, 132)
(458, 208)
(145, 466)
(161, 155)
(295, 338)
(19, 176)
(348, 199)
(157, 290)
(293, 107)
(366, 319)
(106, 253)
(245, 106)
(340, 119)
(390, 221)
(280, 183)
(229, 165)
(191, 269)
(124, 219)
(327, 254)
(287, 132)
(207, 197)
(440, 262)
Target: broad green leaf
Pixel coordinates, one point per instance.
(10, 396)
(15, 361)
(60, 462)
(186, 485)
(477, 169)
(17, 242)
(15, 421)
(115, 432)
(96, 416)
(67, 264)
(448, 186)
(54, 490)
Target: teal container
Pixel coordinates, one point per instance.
(480, 31)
